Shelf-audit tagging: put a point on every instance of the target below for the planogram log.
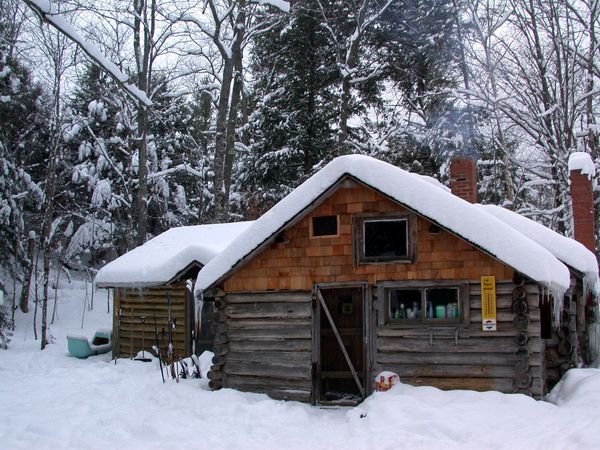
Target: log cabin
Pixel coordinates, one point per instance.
(153, 283)
(366, 267)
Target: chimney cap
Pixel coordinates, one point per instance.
(582, 161)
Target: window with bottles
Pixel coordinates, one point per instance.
(424, 304)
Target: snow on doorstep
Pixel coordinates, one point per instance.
(457, 215)
(160, 259)
(582, 161)
(565, 249)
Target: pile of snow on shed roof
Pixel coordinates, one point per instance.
(163, 257)
(567, 250)
(455, 214)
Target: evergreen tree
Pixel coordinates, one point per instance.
(104, 165)
(198, 154)
(420, 43)
(21, 151)
(178, 160)
(105, 168)
(6, 326)
(295, 107)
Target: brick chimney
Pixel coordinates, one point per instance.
(581, 173)
(463, 178)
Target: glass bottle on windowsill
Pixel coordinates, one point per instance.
(429, 309)
(402, 311)
(416, 310)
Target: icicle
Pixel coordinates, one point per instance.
(198, 305)
(590, 286)
(558, 294)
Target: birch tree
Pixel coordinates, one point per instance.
(232, 26)
(357, 60)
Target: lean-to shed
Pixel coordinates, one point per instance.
(154, 282)
(366, 267)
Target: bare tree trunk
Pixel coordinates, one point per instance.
(24, 300)
(142, 191)
(348, 59)
(54, 310)
(141, 46)
(46, 235)
(221, 142)
(592, 139)
(344, 115)
(14, 293)
(465, 73)
(36, 300)
(238, 84)
(490, 70)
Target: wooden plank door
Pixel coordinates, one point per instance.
(336, 382)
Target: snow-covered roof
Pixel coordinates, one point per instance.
(439, 206)
(160, 259)
(567, 250)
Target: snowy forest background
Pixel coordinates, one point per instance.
(251, 97)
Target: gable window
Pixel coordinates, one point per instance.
(383, 239)
(324, 226)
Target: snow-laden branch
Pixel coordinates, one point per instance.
(185, 91)
(279, 4)
(374, 73)
(50, 15)
(178, 168)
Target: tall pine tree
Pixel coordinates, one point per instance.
(295, 107)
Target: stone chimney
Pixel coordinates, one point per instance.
(463, 178)
(581, 173)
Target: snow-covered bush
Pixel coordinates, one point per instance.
(6, 324)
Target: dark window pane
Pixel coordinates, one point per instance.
(405, 304)
(442, 303)
(324, 226)
(386, 238)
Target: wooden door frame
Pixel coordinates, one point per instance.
(316, 340)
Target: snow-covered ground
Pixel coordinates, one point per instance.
(51, 400)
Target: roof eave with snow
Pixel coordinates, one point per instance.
(169, 255)
(576, 256)
(461, 218)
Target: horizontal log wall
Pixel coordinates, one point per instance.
(131, 304)
(463, 356)
(264, 344)
(303, 260)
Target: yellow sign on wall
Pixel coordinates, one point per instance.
(488, 303)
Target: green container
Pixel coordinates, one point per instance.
(81, 347)
(440, 312)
